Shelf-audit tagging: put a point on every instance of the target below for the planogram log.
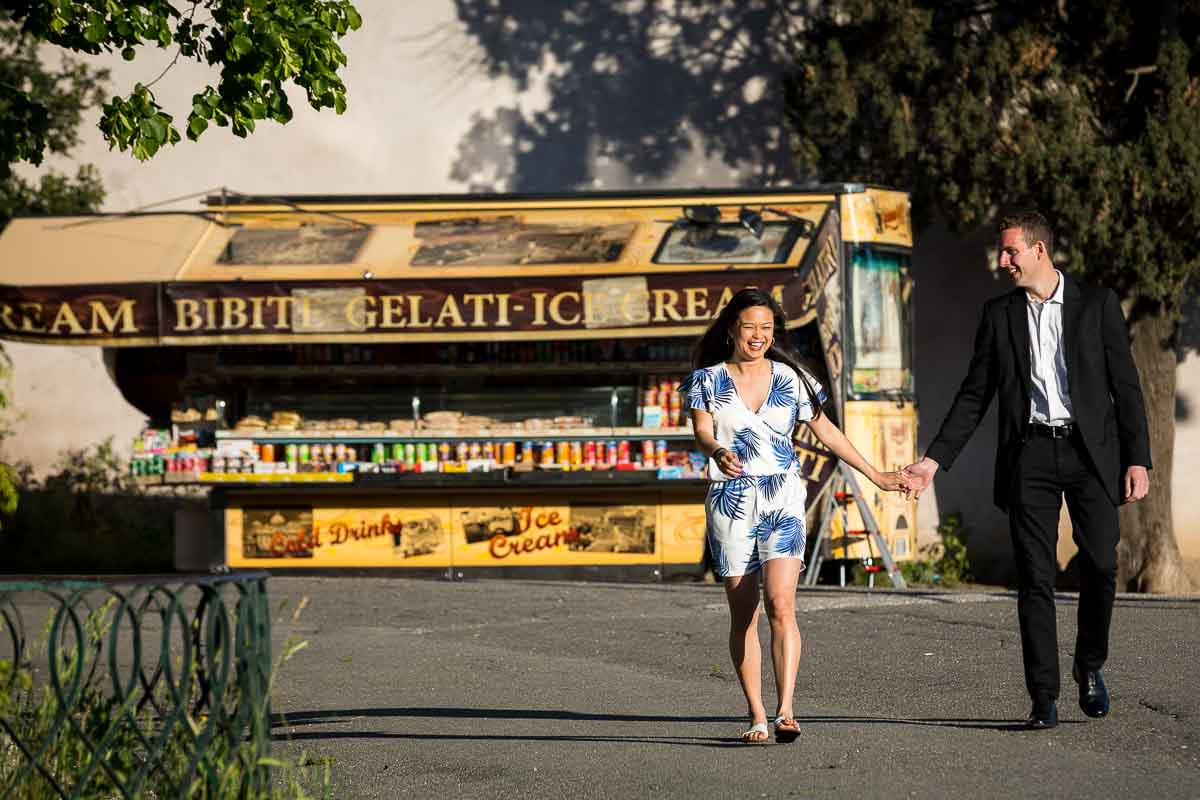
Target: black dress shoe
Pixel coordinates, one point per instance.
(1043, 716)
(1093, 694)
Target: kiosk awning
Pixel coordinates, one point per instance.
(290, 277)
(71, 251)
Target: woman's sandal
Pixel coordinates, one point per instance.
(757, 734)
(787, 730)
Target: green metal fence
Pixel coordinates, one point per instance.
(136, 687)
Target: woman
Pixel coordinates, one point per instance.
(747, 395)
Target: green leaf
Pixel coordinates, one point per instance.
(152, 128)
(144, 149)
(96, 31)
(241, 45)
(295, 648)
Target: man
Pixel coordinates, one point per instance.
(1072, 422)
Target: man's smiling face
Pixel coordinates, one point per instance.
(1019, 260)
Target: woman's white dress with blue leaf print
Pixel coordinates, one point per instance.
(760, 515)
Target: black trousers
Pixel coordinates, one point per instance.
(1047, 470)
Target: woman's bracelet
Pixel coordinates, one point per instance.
(717, 453)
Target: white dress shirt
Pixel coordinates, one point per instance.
(1049, 401)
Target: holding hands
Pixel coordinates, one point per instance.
(894, 481)
(920, 475)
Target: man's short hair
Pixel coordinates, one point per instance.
(1034, 228)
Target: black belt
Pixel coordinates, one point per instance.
(1052, 431)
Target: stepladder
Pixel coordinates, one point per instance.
(842, 491)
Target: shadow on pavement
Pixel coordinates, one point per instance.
(344, 715)
(334, 716)
(693, 741)
(976, 724)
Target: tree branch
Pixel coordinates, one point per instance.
(1137, 72)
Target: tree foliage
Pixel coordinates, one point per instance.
(261, 46)
(64, 91)
(1085, 110)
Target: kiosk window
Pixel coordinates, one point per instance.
(294, 246)
(509, 241)
(727, 243)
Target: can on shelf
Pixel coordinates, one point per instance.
(410, 453)
(623, 451)
(266, 452)
(378, 454)
(302, 453)
(474, 451)
(510, 453)
(488, 451)
(527, 453)
(289, 453)
(327, 452)
(443, 451)
(610, 453)
(648, 452)
(397, 451)
(563, 454)
(547, 453)
(576, 454)
(461, 451)
(660, 452)
(589, 454)
(339, 452)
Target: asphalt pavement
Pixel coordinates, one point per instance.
(552, 689)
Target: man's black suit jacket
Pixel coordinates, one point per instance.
(1106, 396)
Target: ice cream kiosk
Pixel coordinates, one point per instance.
(469, 384)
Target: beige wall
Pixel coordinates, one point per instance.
(1187, 464)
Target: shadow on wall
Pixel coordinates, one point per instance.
(634, 90)
(1189, 329)
(952, 283)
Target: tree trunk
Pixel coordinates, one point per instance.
(1148, 558)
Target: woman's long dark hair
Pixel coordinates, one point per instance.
(716, 345)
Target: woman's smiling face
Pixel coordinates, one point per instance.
(753, 333)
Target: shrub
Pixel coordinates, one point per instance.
(943, 563)
(88, 517)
